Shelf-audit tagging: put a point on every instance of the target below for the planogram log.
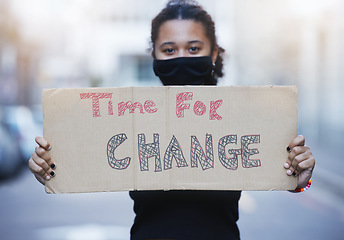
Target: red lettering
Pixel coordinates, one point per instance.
(95, 100)
(110, 108)
(129, 105)
(148, 106)
(180, 107)
(213, 107)
(199, 108)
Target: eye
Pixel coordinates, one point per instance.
(194, 49)
(168, 50)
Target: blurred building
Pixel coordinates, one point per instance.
(88, 43)
(18, 60)
(296, 42)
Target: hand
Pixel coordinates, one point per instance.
(40, 163)
(300, 161)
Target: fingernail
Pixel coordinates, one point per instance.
(47, 177)
(49, 148)
(289, 172)
(52, 173)
(52, 166)
(286, 165)
(288, 149)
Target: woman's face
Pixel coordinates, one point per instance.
(182, 38)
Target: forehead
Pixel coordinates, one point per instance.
(181, 31)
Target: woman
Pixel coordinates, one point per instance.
(185, 52)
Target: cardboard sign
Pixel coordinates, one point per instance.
(163, 138)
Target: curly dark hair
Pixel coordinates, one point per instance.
(190, 10)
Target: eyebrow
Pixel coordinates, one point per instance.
(196, 41)
(166, 43)
(173, 43)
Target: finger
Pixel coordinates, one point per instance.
(38, 171)
(295, 151)
(42, 167)
(295, 167)
(300, 154)
(44, 154)
(307, 164)
(297, 141)
(43, 143)
(40, 161)
(292, 153)
(291, 171)
(287, 165)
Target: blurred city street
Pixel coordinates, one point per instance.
(27, 212)
(48, 44)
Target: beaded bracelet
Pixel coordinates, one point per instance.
(305, 188)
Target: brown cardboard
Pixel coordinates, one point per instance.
(218, 138)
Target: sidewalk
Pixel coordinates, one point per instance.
(328, 173)
(27, 212)
(315, 214)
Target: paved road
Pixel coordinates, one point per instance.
(26, 212)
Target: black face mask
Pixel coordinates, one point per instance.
(184, 70)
